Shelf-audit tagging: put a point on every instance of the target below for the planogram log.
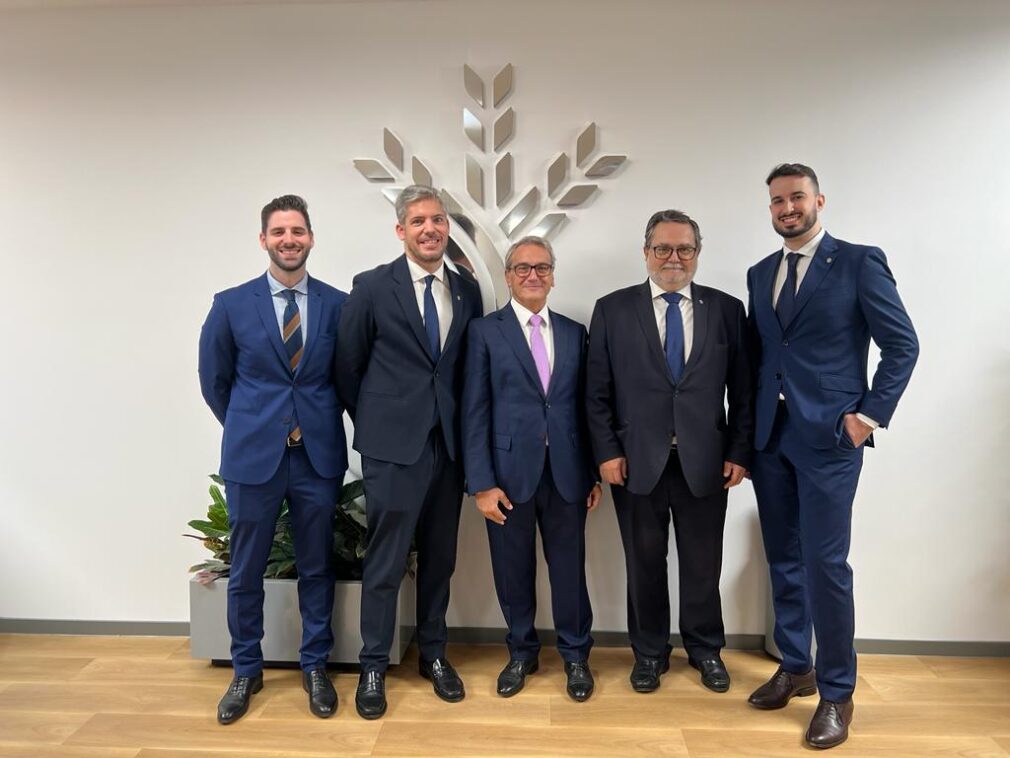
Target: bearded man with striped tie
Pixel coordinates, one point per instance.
(527, 459)
(267, 362)
(664, 357)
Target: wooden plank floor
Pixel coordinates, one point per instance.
(144, 697)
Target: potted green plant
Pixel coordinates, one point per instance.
(208, 588)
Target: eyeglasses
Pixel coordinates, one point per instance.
(684, 252)
(523, 270)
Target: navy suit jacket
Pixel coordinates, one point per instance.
(386, 378)
(634, 407)
(246, 381)
(818, 360)
(508, 420)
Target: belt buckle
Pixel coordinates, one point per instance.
(294, 443)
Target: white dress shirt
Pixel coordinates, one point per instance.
(281, 302)
(523, 314)
(659, 305)
(439, 290)
(806, 253)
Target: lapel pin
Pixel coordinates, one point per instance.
(458, 297)
(829, 260)
(700, 301)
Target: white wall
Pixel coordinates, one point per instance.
(137, 145)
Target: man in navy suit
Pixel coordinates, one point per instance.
(527, 460)
(267, 372)
(814, 307)
(664, 358)
(400, 378)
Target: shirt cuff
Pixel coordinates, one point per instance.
(868, 421)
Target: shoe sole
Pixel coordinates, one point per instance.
(640, 688)
(805, 692)
(371, 716)
(825, 745)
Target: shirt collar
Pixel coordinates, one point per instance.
(523, 313)
(276, 287)
(658, 291)
(417, 273)
(808, 249)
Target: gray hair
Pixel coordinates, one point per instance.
(529, 239)
(412, 194)
(676, 217)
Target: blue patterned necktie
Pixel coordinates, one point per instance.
(431, 319)
(787, 297)
(674, 335)
(292, 335)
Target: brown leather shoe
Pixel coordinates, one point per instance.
(830, 724)
(782, 688)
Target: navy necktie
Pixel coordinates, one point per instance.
(674, 335)
(292, 334)
(787, 297)
(431, 319)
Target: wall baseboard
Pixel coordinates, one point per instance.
(475, 635)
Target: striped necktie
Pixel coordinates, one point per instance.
(292, 335)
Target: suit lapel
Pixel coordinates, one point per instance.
(456, 295)
(317, 306)
(700, 309)
(265, 309)
(819, 266)
(764, 289)
(403, 288)
(564, 339)
(646, 313)
(514, 336)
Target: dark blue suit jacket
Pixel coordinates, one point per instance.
(634, 407)
(507, 419)
(246, 381)
(386, 378)
(818, 361)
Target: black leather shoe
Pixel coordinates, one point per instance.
(713, 673)
(322, 696)
(444, 679)
(513, 677)
(370, 697)
(830, 724)
(645, 674)
(235, 702)
(580, 680)
(782, 688)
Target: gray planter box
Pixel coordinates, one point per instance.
(282, 624)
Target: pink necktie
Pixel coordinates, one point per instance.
(539, 350)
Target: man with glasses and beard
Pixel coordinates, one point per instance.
(400, 378)
(663, 355)
(267, 362)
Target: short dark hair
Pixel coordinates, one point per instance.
(794, 169)
(285, 203)
(676, 217)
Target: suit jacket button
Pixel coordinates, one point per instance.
(286, 420)
(778, 376)
(785, 343)
(436, 375)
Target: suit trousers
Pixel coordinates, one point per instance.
(419, 502)
(253, 510)
(698, 523)
(804, 500)
(514, 563)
